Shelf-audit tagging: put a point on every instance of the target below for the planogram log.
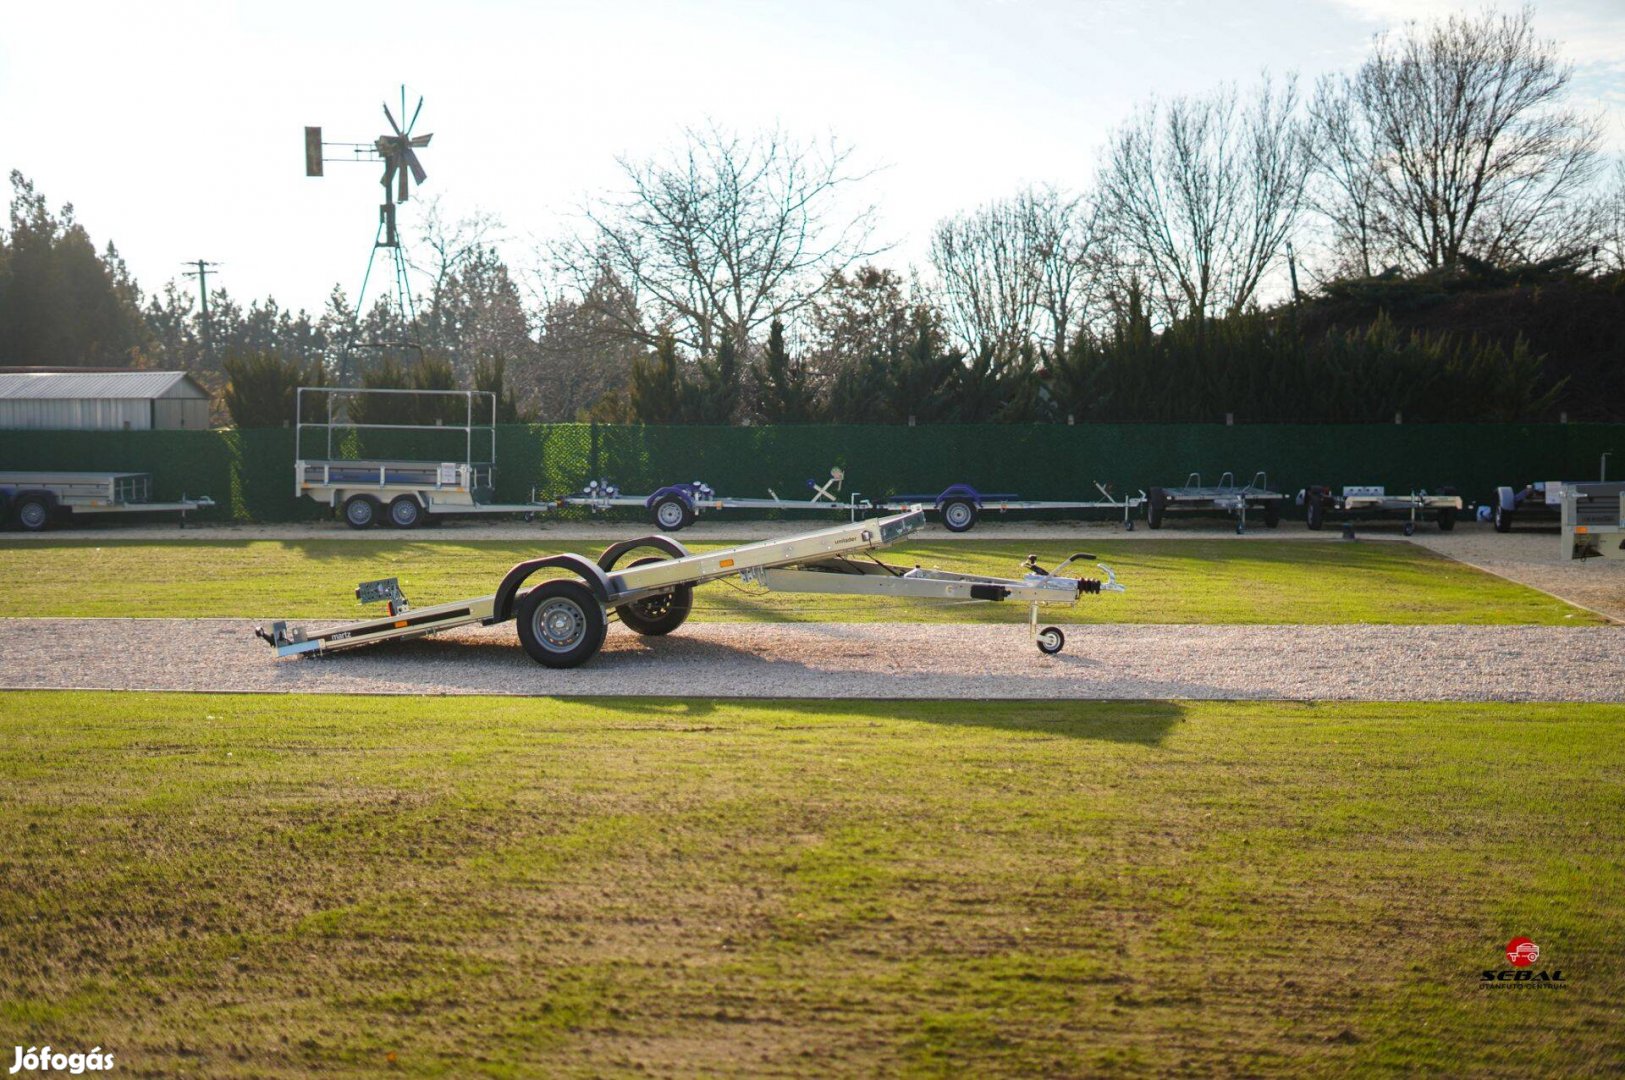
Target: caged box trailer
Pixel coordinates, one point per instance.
(1593, 520)
(403, 493)
(1226, 497)
(562, 621)
(1373, 502)
(34, 500)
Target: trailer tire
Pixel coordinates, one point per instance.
(671, 514)
(1272, 515)
(1314, 513)
(33, 513)
(1447, 519)
(959, 515)
(1156, 504)
(1503, 519)
(1051, 640)
(658, 615)
(361, 511)
(561, 624)
(405, 512)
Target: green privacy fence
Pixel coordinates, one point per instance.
(250, 472)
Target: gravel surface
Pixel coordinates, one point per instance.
(830, 660)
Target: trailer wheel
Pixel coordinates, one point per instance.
(405, 512)
(671, 514)
(1051, 640)
(1447, 519)
(360, 511)
(561, 623)
(1503, 519)
(1272, 515)
(1410, 528)
(657, 615)
(959, 515)
(1155, 505)
(33, 513)
(1314, 512)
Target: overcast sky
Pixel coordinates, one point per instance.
(176, 129)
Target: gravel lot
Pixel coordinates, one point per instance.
(1375, 663)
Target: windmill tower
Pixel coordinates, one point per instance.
(397, 149)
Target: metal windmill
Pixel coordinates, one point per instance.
(397, 149)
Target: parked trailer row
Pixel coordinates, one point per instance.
(562, 621)
(35, 499)
(1375, 502)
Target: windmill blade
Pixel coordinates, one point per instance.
(400, 195)
(391, 118)
(414, 113)
(421, 140)
(412, 163)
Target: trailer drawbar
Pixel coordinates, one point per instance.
(562, 621)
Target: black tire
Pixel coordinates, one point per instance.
(1410, 528)
(405, 512)
(561, 623)
(1314, 512)
(1051, 640)
(671, 514)
(1447, 519)
(33, 513)
(658, 615)
(1272, 514)
(1503, 519)
(1156, 504)
(959, 515)
(361, 511)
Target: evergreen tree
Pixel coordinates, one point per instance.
(261, 388)
(785, 394)
(657, 384)
(714, 397)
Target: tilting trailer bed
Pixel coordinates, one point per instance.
(1370, 502)
(562, 621)
(960, 506)
(35, 499)
(1593, 520)
(1226, 496)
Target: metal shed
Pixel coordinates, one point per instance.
(102, 400)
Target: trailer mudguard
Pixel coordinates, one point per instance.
(959, 491)
(1507, 498)
(682, 491)
(613, 553)
(585, 569)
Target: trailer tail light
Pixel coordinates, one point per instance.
(725, 563)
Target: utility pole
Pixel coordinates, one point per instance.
(202, 275)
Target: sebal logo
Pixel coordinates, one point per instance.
(1522, 954)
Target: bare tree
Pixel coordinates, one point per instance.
(1454, 136)
(1014, 270)
(724, 237)
(1202, 194)
(1611, 247)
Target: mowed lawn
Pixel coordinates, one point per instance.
(289, 886)
(1169, 581)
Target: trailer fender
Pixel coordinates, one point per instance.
(682, 491)
(508, 592)
(1506, 498)
(959, 491)
(613, 553)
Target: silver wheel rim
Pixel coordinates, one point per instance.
(958, 515)
(559, 625)
(669, 514)
(404, 513)
(33, 515)
(1050, 640)
(358, 512)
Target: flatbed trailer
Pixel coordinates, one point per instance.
(35, 499)
(402, 493)
(960, 506)
(1374, 502)
(563, 620)
(1593, 520)
(1226, 497)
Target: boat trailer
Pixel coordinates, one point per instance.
(1368, 501)
(562, 621)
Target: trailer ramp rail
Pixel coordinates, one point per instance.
(563, 620)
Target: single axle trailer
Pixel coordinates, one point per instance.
(1542, 502)
(960, 506)
(1593, 520)
(35, 499)
(1226, 497)
(1373, 502)
(404, 493)
(562, 621)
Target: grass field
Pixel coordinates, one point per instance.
(235, 886)
(1173, 581)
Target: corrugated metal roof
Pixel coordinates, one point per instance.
(98, 384)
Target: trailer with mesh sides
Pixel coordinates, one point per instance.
(1226, 497)
(401, 492)
(1593, 520)
(34, 500)
(563, 620)
(1371, 501)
